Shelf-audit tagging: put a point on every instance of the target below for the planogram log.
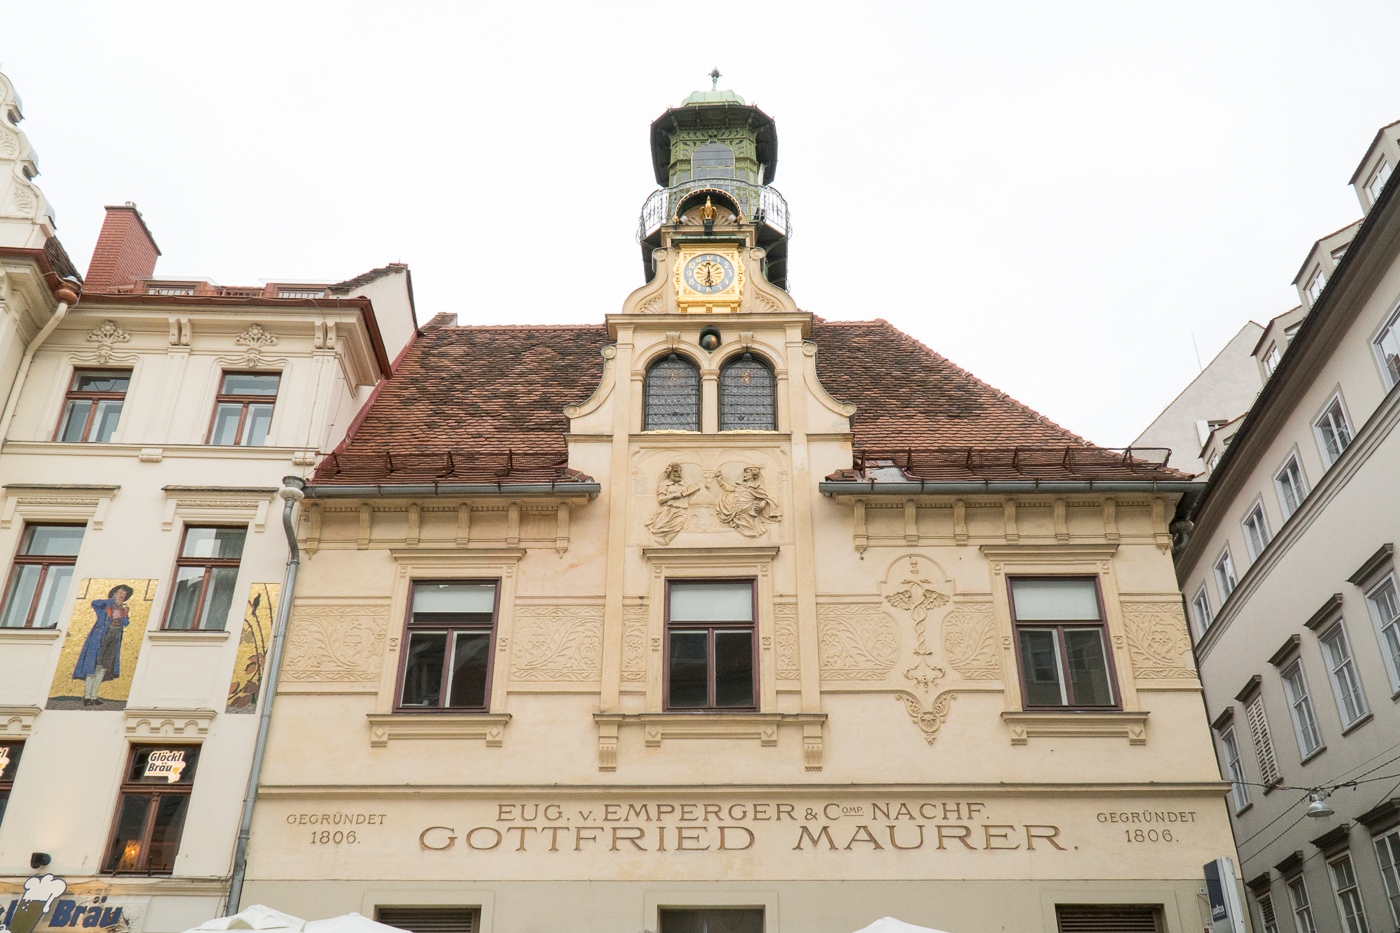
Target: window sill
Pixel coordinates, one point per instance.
(658, 727)
(29, 635)
(1313, 754)
(176, 636)
(387, 727)
(1028, 724)
(1357, 725)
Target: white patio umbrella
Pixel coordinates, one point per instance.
(256, 917)
(891, 925)
(350, 923)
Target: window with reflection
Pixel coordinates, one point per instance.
(1062, 643)
(93, 406)
(672, 396)
(448, 646)
(38, 587)
(155, 796)
(712, 160)
(206, 575)
(243, 409)
(10, 753)
(710, 645)
(746, 396)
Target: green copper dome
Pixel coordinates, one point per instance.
(712, 97)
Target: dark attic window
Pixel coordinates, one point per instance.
(672, 396)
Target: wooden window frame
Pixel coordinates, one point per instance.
(711, 627)
(155, 791)
(43, 560)
(209, 564)
(443, 691)
(228, 398)
(699, 393)
(1333, 864)
(94, 397)
(1059, 628)
(1300, 902)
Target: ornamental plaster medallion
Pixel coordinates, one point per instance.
(928, 720)
(558, 643)
(108, 334)
(745, 505)
(255, 339)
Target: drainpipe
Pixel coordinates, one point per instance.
(66, 298)
(291, 492)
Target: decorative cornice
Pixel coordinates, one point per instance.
(1292, 864)
(16, 722)
(1329, 610)
(1250, 688)
(1381, 817)
(1287, 650)
(1374, 563)
(169, 723)
(1334, 839)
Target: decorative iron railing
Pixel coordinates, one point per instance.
(758, 203)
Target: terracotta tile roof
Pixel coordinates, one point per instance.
(470, 404)
(1009, 464)
(364, 278)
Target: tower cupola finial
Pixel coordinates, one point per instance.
(714, 79)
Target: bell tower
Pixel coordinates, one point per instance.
(715, 157)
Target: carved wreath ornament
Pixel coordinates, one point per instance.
(108, 334)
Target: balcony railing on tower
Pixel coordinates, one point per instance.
(759, 204)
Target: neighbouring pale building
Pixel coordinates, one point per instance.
(147, 427)
(720, 617)
(1290, 576)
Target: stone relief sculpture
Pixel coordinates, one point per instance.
(785, 638)
(856, 642)
(969, 640)
(1157, 640)
(917, 598)
(336, 644)
(558, 643)
(745, 505)
(673, 499)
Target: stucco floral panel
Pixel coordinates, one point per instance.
(558, 643)
(970, 641)
(856, 642)
(785, 639)
(336, 644)
(1158, 643)
(634, 643)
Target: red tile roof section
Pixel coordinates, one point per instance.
(487, 402)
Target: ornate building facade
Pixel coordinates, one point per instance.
(147, 425)
(720, 616)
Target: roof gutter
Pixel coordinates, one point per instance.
(1007, 487)
(402, 490)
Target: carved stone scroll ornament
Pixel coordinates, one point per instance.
(857, 642)
(1157, 641)
(107, 334)
(970, 641)
(928, 720)
(634, 643)
(918, 599)
(558, 643)
(335, 644)
(673, 499)
(785, 639)
(745, 505)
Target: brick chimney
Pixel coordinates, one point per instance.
(125, 250)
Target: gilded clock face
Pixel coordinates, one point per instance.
(709, 274)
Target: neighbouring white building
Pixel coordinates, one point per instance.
(1290, 578)
(146, 430)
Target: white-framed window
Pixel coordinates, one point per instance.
(1387, 347)
(1272, 358)
(1225, 574)
(1348, 895)
(1315, 286)
(1234, 769)
(1376, 185)
(1263, 741)
(1295, 688)
(1388, 855)
(1266, 913)
(1290, 332)
(1201, 607)
(1383, 602)
(1211, 463)
(1256, 530)
(1292, 487)
(1302, 907)
(1333, 430)
(1346, 682)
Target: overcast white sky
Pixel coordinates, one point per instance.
(1057, 196)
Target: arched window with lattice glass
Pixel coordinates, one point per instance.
(746, 396)
(672, 396)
